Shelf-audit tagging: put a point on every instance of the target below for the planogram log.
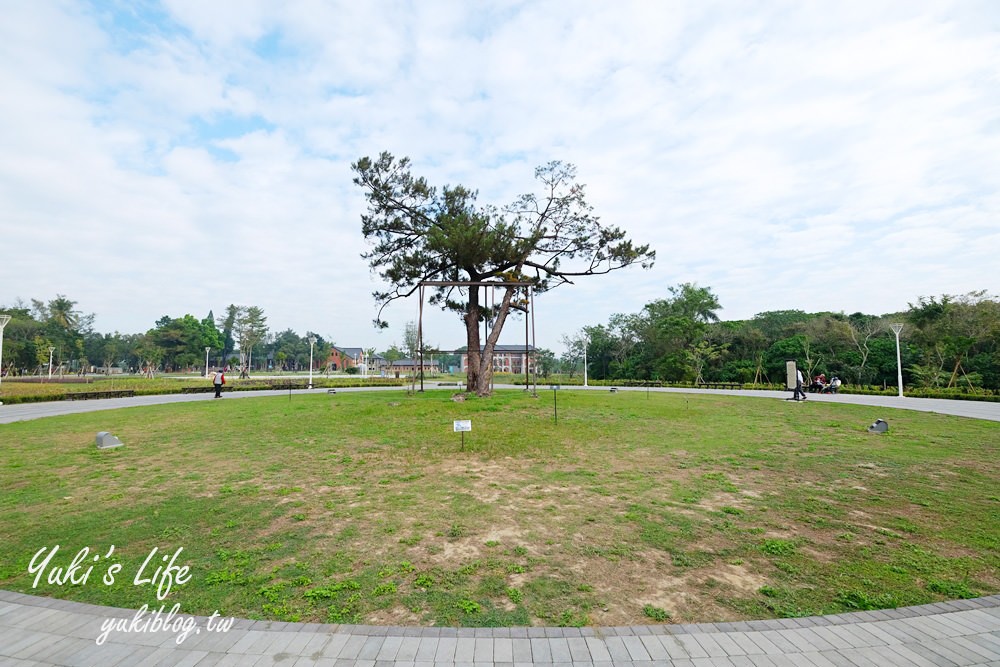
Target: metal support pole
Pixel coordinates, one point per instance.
(4, 319)
(534, 341)
(493, 303)
(206, 360)
(312, 341)
(420, 337)
(896, 328)
(526, 377)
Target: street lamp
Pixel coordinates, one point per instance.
(206, 360)
(312, 341)
(586, 343)
(896, 328)
(51, 350)
(4, 319)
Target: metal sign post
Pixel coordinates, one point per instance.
(461, 426)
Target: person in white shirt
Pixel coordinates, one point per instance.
(798, 386)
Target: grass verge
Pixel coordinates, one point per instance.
(632, 509)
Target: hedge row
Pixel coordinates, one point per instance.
(958, 394)
(234, 385)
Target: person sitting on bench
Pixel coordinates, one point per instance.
(833, 386)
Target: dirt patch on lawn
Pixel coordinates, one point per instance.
(687, 594)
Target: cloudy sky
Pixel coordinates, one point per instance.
(163, 158)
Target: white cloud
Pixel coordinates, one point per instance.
(788, 156)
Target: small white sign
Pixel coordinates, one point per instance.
(463, 425)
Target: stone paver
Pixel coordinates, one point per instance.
(43, 631)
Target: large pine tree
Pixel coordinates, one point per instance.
(420, 233)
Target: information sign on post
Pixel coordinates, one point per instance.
(461, 426)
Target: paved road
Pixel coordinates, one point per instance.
(43, 631)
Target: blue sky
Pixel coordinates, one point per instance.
(172, 157)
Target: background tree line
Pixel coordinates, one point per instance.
(947, 341)
(240, 339)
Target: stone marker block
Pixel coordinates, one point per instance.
(107, 441)
(878, 427)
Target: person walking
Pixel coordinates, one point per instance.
(218, 381)
(798, 386)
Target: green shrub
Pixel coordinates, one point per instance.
(776, 547)
(655, 613)
(956, 590)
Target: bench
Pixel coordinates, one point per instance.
(85, 395)
(720, 385)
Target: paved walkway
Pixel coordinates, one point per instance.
(43, 631)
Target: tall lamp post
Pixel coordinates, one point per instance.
(896, 328)
(312, 341)
(586, 343)
(4, 319)
(51, 350)
(206, 360)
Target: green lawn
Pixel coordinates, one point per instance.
(632, 509)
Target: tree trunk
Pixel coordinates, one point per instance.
(472, 340)
(953, 380)
(486, 360)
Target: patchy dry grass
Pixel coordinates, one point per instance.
(361, 508)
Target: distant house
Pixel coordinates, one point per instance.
(342, 358)
(507, 359)
(377, 364)
(405, 367)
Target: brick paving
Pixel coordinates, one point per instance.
(42, 631)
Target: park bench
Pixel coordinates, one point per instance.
(720, 385)
(86, 395)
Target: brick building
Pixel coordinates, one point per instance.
(507, 359)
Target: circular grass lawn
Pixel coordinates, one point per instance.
(632, 509)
